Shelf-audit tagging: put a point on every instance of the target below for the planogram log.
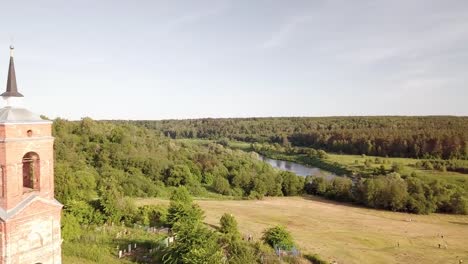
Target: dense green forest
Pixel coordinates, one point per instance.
(429, 137)
(101, 165)
(94, 158)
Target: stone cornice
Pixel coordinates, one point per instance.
(6, 215)
(4, 140)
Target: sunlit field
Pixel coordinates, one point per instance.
(348, 234)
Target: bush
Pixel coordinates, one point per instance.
(71, 229)
(181, 208)
(340, 189)
(386, 192)
(292, 184)
(194, 244)
(316, 185)
(151, 215)
(221, 185)
(228, 225)
(397, 167)
(278, 236)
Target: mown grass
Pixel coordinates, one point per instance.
(345, 233)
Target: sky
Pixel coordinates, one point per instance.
(237, 58)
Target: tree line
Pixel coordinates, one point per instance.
(418, 137)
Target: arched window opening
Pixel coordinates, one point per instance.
(31, 170)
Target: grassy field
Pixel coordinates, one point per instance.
(356, 162)
(347, 234)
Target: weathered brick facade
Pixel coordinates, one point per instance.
(29, 216)
(29, 213)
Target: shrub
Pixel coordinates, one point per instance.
(278, 236)
(221, 185)
(228, 225)
(292, 184)
(316, 185)
(397, 167)
(194, 244)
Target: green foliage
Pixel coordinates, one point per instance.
(98, 244)
(181, 195)
(291, 184)
(386, 192)
(397, 167)
(278, 236)
(240, 252)
(71, 229)
(228, 225)
(432, 136)
(221, 185)
(151, 215)
(194, 244)
(181, 208)
(444, 165)
(179, 175)
(83, 212)
(340, 188)
(110, 160)
(316, 185)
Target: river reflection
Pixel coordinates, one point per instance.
(297, 168)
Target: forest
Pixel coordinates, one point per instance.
(100, 166)
(108, 161)
(395, 136)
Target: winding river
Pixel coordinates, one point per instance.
(296, 168)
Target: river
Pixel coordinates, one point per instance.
(296, 168)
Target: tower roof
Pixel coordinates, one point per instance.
(12, 88)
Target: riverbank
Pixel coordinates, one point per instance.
(343, 164)
(308, 161)
(302, 159)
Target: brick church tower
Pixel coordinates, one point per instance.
(29, 213)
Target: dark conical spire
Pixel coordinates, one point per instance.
(11, 89)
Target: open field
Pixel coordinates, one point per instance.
(348, 234)
(356, 162)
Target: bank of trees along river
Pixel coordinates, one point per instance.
(304, 140)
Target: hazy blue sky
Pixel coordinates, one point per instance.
(187, 59)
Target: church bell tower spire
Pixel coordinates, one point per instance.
(12, 88)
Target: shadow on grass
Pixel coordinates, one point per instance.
(324, 200)
(215, 227)
(458, 223)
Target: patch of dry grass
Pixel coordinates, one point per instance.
(349, 234)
